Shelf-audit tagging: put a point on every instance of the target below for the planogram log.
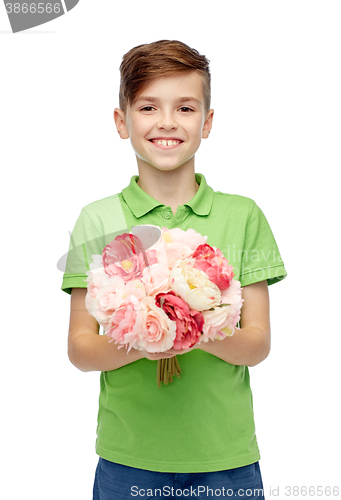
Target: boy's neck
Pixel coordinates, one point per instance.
(173, 188)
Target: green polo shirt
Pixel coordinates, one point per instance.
(202, 421)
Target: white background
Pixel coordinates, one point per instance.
(276, 84)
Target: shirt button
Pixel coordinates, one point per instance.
(167, 215)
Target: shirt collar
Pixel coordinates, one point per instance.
(141, 203)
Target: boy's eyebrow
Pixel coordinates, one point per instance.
(156, 99)
(190, 98)
(147, 98)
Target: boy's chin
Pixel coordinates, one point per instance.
(162, 166)
(167, 168)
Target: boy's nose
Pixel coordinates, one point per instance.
(167, 122)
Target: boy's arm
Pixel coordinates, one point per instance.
(250, 344)
(88, 350)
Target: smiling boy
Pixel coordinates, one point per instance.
(200, 429)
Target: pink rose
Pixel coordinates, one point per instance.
(124, 257)
(212, 262)
(126, 324)
(189, 323)
(158, 330)
(155, 278)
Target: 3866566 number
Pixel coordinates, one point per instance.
(32, 8)
(312, 491)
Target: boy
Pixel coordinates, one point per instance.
(196, 435)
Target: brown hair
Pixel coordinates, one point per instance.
(144, 63)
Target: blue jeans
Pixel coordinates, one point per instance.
(120, 482)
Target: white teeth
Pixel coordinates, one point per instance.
(164, 142)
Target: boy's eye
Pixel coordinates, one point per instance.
(148, 108)
(185, 109)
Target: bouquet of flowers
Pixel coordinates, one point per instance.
(155, 289)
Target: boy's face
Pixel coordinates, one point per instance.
(167, 121)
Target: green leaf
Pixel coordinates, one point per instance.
(220, 305)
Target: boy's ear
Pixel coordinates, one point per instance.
(208, 124)
(120, 121)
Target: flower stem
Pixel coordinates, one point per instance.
(158, 373)
(166, 369)
(177, 366)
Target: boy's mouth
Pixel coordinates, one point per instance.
(166, 143)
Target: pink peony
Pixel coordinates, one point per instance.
(124, 257)
(94, 308)
(215, 321)
(155, 279)
(109, 296)
(177, 251)
(212, 262)
(126, 324)
(221, 322)
(233, 296)
(96, 278)
(151, 256)
(191, 238)
(158, 330)
(135, 287)
(189, 323)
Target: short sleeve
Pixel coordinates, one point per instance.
(85, 241)
(261, 259)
